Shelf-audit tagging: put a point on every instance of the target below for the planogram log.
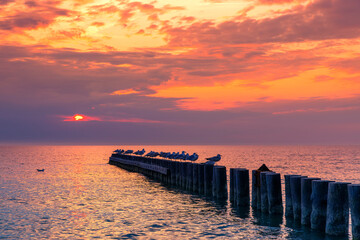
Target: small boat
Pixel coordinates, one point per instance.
(40, 170)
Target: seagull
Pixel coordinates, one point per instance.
(193, 157)
(129, 151)
(140, 152)
(119, 151)
(212, 160)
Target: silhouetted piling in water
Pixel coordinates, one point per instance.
(195, 188)
(254, 186)
(241, 187)
(319, 197)
(183, 174)
(189, 176)
(178, 174)
(201, 170)
(219, 183)
(173, 173)
(295, 185)
(324, 205)
(337, 214)
(288, 200)
(232, 178)
(354, 202)
(306, 206)
(208, 179)
(264, 195)
(273, 182)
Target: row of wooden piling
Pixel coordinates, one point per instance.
(202, 179)
(320, 204)
(323, 205)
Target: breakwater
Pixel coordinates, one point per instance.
(319, 204)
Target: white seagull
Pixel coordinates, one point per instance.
(212, 160)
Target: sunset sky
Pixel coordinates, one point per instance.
(180, 72)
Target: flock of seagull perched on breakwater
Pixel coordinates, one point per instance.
(174, 155)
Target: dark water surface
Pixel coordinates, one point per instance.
(80, 196)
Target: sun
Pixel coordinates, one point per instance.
(78, 117)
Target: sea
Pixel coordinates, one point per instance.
(80, 196)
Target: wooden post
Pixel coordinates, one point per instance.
(189, 182)
(254, 186)
(208, 178)
(306, 206)
(232, 179)
(173, 173)
(178, 174)
(319, 197)
(185, 176)
(288, 200)
(219, 183)
(337, 214)
(201, 178)
(354, 196)
(241, 185)
(195, 188)
(273, 182)
(295, 184)
(264, 196)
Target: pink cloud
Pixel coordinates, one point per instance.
(319, 20)
(38, 15)
(271, 2)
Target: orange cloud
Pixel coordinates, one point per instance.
(124, 92)
(239, 93)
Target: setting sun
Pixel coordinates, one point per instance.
(78, 117)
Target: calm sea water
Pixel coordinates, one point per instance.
(80, 196)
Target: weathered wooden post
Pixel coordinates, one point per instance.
(185, 179)
(178, 174)
(354, 202)
(264, 195)
(183, 175)
(219, 183)
(208, 178)
(319, 197)
(288, 200)
(232, 178)
(241, 185)
(195, 187)
(201, 179)
(306, 206)
(254, 186)
(337, 214)
(189, 183)
(173, 173)
(214, 184)
(259, 188)
(273, 182)
(295, 185)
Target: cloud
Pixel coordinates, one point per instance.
(36, 16)
(109, 119)
(271, 2)
(319, 20)
(5, 2)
